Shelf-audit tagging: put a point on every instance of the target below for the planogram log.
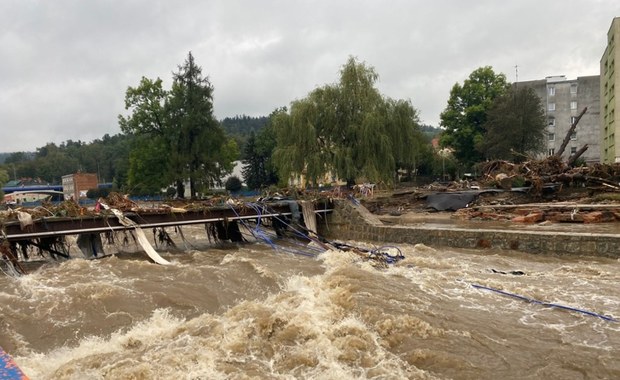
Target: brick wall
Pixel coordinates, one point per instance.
(84, 182)
(73, 184)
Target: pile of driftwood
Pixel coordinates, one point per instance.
(538, 174)
(554, 179)
(555, 176)
(551, 171)
(71, 209)
(563, 212)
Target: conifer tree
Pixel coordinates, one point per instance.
(196, 147)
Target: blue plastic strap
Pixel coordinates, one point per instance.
(531, 300)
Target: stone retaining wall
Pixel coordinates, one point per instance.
(350, 221)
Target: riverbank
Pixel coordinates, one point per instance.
(350, 220)
(514, 207)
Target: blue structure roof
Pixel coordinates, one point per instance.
(12, 189)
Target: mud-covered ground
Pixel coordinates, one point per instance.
(555, 204)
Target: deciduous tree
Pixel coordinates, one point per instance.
(108, 157)
(347, 129)
(197, 148)
(52, 163)
(466, 113)
(146, 161)
(233, 184)
(515, 126)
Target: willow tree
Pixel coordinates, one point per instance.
(182, 119)
(347, 129)
(409, 148)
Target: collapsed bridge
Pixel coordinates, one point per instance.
(28, 229)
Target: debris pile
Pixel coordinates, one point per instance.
(553, 191)
(551, 172)
(550, 190)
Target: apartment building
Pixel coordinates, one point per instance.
(610, 103)
(563, 100)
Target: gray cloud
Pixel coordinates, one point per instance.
(66, 64)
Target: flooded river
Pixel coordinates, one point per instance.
(249, 312)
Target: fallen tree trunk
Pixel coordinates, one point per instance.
(572, 159)
(569, 133)
(602, 181)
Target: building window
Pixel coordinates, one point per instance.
(551, 91)
(573, 120)
(573, 150)
(573, 136)
(551, 152)
(551, 136)
(573, 105)
(552, 121)
(573, 88)
(551, 107)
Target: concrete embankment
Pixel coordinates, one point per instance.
(350, 221)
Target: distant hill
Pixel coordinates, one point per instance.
(243, 125)
(240, 127)
(4, 156)
(430, 132)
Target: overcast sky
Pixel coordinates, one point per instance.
(65, 65)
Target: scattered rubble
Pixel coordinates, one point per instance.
(534, 191)
(549, 191)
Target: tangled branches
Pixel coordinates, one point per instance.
(552, 170)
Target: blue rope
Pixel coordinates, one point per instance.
(260, 234)
(531, 300)
(299, 233)
(256, 232)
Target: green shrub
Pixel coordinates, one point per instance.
(233, 184)
(98, 193)
(518, 181)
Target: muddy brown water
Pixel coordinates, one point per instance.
(247, 311)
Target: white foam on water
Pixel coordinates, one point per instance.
(262, 270)
(348, 320)
(47, 365)
(306, 330)
(36, 287)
